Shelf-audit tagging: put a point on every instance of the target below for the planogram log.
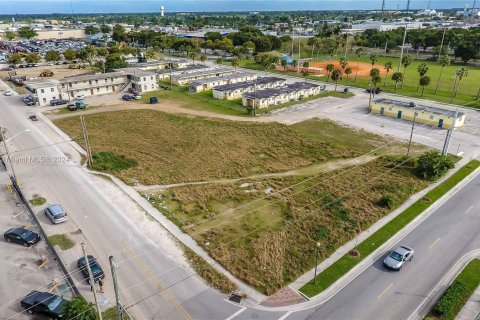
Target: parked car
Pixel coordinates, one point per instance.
(80, 97)
(80, 104)
(376, 90)
(8, 92)
(398, 257)
(71, 107)
(44, 303)
(137, 97)
(153, 100)
(127, 97)
(56, 102)
(97, 271)
(133, 91)
(33, 117)
(21, 236)
(56, 214)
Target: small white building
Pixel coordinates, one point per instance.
(209, 83)
(165, 74)
(185, 79)
(236, 90)
(45, 91)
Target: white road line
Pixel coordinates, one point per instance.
(236, 313)
(469, 209)
(385, 291)
(434, 243)
(285, 315)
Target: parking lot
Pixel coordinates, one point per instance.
(23, 269)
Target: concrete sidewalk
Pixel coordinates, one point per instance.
(471, 309)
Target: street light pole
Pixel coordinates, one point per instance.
(411, 133)
(317, 249)
(115, 287)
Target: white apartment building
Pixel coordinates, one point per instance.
(209, 83)
(185, 79)
(236, 90)
(272, 97)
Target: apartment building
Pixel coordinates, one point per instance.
(236, 90)
(209, 83)
(272, 97)
(163, 64)
(165, 74)
(185, 79)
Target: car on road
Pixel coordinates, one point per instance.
(56, 214)
(21, 236)
(71, 107)
(97, 271)
(127, 97)
(80, 97)
(396, 258)
(28, 101)
(376, 90)
(33, 117)
(8, 92)
(137, 97)
(44, 303)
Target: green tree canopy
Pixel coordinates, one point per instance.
(432, 165)
(52, 56)
(26, 33)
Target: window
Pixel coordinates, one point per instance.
(144, 79)
(51, 90)
(151, 78)
(98, 89)
(42, 90)
(44, 100)
(432, 117)
(70, 85)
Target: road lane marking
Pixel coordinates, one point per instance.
(236, 313)
(434, 243)
(385, 291)
(469, 209)
(285, 315)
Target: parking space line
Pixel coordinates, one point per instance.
(471, 207)
(236, 313)
(285, 315)
(17, 214)
(434, 243)
(385, 291)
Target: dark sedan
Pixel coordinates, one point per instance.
(21, 236)
(97, 271)
(127, 97)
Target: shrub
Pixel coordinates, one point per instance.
(432, 165)
(108, 161)
(387, 201)
(450, 298)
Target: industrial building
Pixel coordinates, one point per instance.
(209, 83)
(186, 78)
(441, 116)
(271, 97)
(236, 90)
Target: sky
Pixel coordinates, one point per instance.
(121, 6)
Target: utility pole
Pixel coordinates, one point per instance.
(254, 99)
(448, 138)
(298, 63)
(92, 281)
(115, 288)
(411, 133)
(87, 141)
(408, 6)
(403, 45)
(383, 6)
(8, 154)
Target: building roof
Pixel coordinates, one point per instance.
(186, 69)
(97, 76)
(45, 83)
(273, 92)
(414, 106)
(137, 72)
(220, 78)
(202, 73)
(159, 63)
(247, 84)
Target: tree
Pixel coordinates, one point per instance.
(444, 61)
(14, 58)
(424, 82)
(70, 54)
(374, 72)
(235, 64)
(52, 56)
(306, 65)
(114, 61)
(432, 165)
(459, 75)
(373, 59)
(376, 79)
(466, 52)
(343, 64)
(284, 64)
(387, 66)
(305, 74)
(89, 30)
(336, 74)
(33, 58)
(267, 59)
(406, 61)
(348, 72)
(359, 52)
(79, 309)
(150, 54)
(119, 34)
(10, 35)
(203, 57)
(397, 77)
(249, 47)
(26, 33)
(105, 28)
(219, 60)
(422, 70)
(193, 55)
(330, 68)
(88, 54)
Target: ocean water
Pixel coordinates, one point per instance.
(117, 6)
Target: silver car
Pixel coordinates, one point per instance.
(56, 214)
(397, 257)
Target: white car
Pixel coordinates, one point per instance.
(80, 97)
(136, 96)
(8, 93)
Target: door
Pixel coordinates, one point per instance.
(382, 110)
(399, 115)
(440, 123)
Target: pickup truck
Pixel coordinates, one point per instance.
(44, 303)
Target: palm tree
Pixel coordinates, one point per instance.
(460, 74)
(343, 63)
(444, 61)
(376, 79)
(79, 308)
(305, 74)
(422, 70)
(397, 77)
(193, 55)
(306, 65)
(219, 60)
(348, 72)
(387, 66)
(235, 64)
(203, 57)
(406, 61)
(424, 81)
(373, 59)
(336, 76)
(284, 64)
(359, 52)
(330, 68)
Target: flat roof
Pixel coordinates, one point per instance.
(247, 84)
(89, 77)
(225, 77)
(202, 73)
(450, 113)
(273, 92)
(187, 68)
(159, 63)
(137, 72)
(38, 84)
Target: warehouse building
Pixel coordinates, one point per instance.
(438, 116)
(236, 90)
(209, 83)
(186, 78)
(272, 97)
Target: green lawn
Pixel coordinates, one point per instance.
(62, 240)
(455, 297)
(330, 275)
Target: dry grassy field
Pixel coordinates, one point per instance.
(173, 149)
